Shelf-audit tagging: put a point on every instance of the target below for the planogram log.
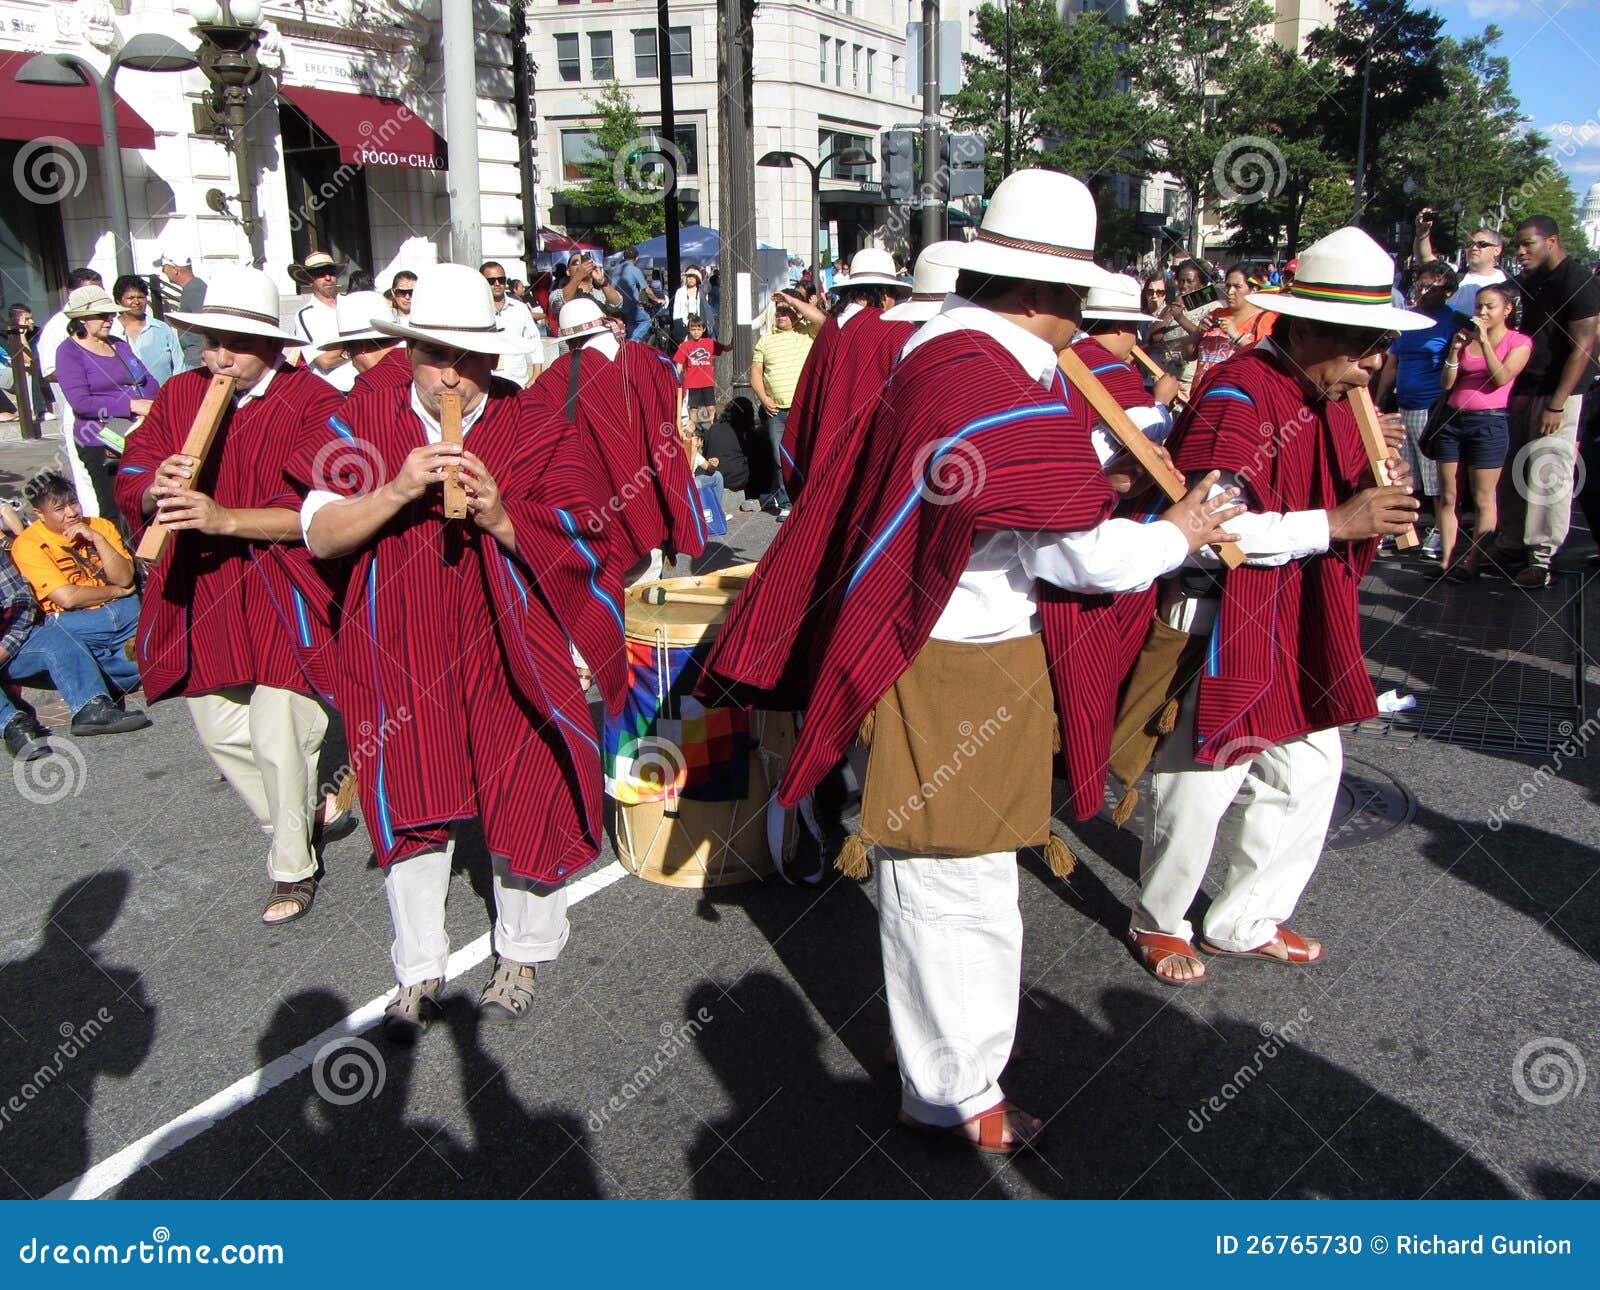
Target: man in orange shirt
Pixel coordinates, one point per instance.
(82, 574)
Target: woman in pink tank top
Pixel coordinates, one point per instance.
(1480, 365)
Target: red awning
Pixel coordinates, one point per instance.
(70, 112)
(370, 131)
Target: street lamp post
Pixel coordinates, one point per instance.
(145, 52)
(230, 37)
(782, 158)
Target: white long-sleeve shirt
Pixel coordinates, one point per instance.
(994, 598)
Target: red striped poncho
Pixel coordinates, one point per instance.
(844, 599)
(1121, 379)
(1285, 656)
(628, 408)
(391, 372)
(842, 380)
(221, 611)
(454, 672)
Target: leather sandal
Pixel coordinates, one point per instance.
(1295, 949)
(508, 996)
(411, 1011)
(299, 894)
(1152, 949)
(992, 1125)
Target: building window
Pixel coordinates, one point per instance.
(578, 149)
(681, 45)
(838, 62)
(895, 84)
(644, 53)
(872, 61)
(602, 67)
(831, 141)
(822, 73)
(567, 57)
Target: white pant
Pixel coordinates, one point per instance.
(951, 932)
(647, 570)
(1272, 839)
(265, 741)
(88, 499)
(531, 926)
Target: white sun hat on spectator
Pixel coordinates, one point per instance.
(1347, 280)
(453, 307)
(1117, 300)
(238, 301)
(933, 280)
(354, 314)
(869, 267)
(580, 318)
(1040, 227)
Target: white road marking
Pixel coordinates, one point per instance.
(116, 1170)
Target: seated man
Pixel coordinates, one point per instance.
(82, 574)
(33, 648)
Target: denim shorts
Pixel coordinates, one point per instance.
(1480, 440)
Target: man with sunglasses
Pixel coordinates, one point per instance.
(511, 316)
(317, 321)
(1482, 264)
(1270, 664)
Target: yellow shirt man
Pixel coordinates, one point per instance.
(50, 561)
(780, 356)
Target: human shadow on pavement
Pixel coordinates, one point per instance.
(67, 1018)
(359, 1123)
(1157, 1102)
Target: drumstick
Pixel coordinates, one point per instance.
(455, 493)
(202, 433)
(1133, 439)
(662, 596)
(1379, 452)
(1156, 372)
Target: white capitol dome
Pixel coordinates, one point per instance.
(1590, 218)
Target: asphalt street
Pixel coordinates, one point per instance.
(732, 1043)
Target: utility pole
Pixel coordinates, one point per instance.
(932, 203)
(736, 214)
(1005, 161)
(1361, 141)
(669, 135)
(522, 96)
(461, 132)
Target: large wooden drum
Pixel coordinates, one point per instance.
(689, 787)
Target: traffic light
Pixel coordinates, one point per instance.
(962, 156)
(899, 153)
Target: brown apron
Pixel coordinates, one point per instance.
(961, 752)
(1168, 664)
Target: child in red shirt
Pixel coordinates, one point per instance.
(695, 370)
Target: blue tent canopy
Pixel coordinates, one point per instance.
(696, 242)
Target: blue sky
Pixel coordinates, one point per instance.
(1554, 48)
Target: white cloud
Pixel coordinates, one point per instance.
(1576, 147)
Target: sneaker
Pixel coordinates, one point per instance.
(411, 1011)
(749, 504)
(783, 513)
(508, 996)
(25, 738)
(1535, 575)
(1433, 545)
(100, 716)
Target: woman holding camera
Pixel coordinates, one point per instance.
(1480, 365)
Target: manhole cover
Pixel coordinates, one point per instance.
(1369, 804)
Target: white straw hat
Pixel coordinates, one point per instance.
(354, 314)
(1345, 279)
(1040, 227)
(933, 280)
(1117, 300)
(579, 318)
(238, 302)
(90, 301)
(453, 306)
(870, 266)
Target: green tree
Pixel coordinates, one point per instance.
(624, 180)
(1199, 62)
(1548, 191)
(1071, 107)
(1383, 51)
